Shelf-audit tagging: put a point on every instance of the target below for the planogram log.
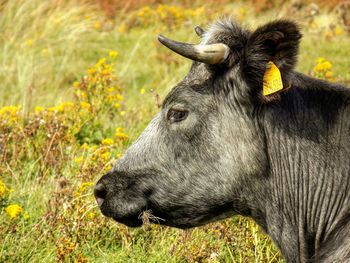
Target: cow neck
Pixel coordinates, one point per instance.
(309, 177)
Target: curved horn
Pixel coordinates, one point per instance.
(211, 54)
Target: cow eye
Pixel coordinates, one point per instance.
(175, 115)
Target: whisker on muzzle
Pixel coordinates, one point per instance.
(147, 217)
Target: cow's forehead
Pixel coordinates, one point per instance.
(197, 82)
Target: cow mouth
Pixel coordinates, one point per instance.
(130, 218)
(145, 217)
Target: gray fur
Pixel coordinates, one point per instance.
(282, 161)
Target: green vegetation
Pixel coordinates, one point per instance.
(76, 89)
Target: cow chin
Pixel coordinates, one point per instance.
(133, 217)
(134, 214)
(180, 218)
(127, 213)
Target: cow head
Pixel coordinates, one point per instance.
(203, 156)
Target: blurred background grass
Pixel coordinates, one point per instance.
(48, 50)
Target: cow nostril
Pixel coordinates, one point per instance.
(100, 193)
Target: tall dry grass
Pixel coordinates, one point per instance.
(44, 47)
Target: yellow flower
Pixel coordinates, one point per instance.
(60, 108)
(142, 91)
(122, 113)
(121, 28)
(14, 210)
(319, 67)
(106, 156)
(10, 114)
(44, 51)
(119, 97)
(91, 215)
(101, 62)
(107, 168)
(110, 98)
(329, 74)
(51, 109)
(76, 84)
(327, 65)
(97, 25)
(113, 54)
(9, 111)
(106, 72)
(94, 147)
(110, 90)
(119, 134)
(117, 105)
(323, 65)
(82, 188)
(83, 95)
(91, 71)
(243, 11)
(85, 105)
(145, 10)
(79, 160)
(65, 106)
(26, 216)
(320, 60)
(29, 42)
(85, 146)
(85, 185)
(3, 188)
(107, 141)
(338, 31)
(38, 109)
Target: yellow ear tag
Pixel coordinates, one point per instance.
(272, 81)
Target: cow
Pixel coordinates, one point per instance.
(243, 133)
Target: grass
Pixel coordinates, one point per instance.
(45, 167)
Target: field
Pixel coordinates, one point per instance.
(79, 81)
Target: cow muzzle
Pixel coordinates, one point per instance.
(119, 199)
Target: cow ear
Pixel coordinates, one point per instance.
(276, 42)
